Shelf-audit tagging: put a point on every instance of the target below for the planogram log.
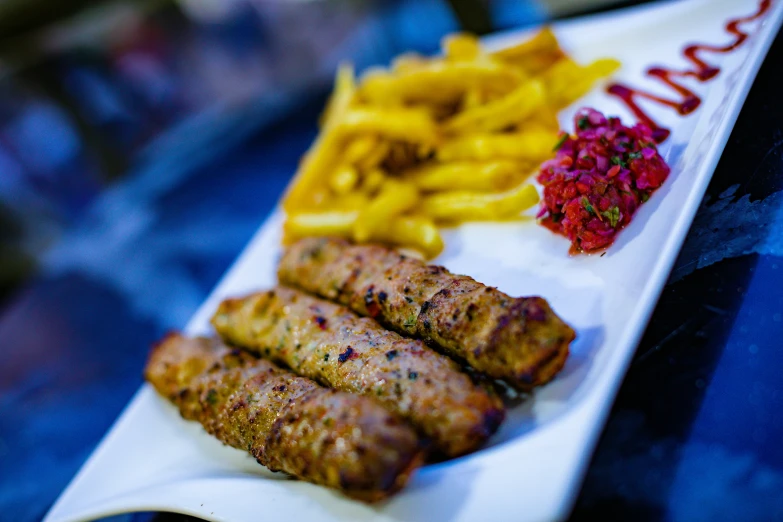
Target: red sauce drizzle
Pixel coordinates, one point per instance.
(702, 72)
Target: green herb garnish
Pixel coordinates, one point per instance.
(613, 215)
(560, 142)
(617, 160)
(645, 197)
(212, 397)
(634, 155)
(410, 321)
(583, 123)
(586, 204)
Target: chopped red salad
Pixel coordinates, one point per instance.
(598, 179)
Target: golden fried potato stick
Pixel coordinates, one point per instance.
(461, 47)
(408, 62)
(543, 118)
(459, 206)
(534, 55)
(437, 82)
(474, 97)
(344, 179)
(533, 146)
(355, 200)
(410, 125)
(416, 232)
(467, 175)
(394, 198)
(342, 95)
(324, 223)
(359, 148)
(501, 113)
(373, 181)
(374, 157)
(567, 81)
(312, 172)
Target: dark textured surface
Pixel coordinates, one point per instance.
(695, 431)
(693, 435)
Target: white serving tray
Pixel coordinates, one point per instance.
(152, 460)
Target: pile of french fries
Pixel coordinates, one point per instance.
(435, 141)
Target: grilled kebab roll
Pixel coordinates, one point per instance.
(519, 340)
(288, 423)
(334, 346)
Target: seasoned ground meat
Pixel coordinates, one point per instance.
(332, 345)
(519, 340)
(288, 423)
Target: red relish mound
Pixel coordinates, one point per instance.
(598, 179)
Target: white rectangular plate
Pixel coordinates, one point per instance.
(531, 470)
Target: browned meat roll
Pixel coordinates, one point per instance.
(519, 340)
(331, 344)
(288, 423)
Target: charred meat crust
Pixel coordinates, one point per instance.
(332, 345)
(288, 423)
(518, 340)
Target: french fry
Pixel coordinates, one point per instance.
(533, 146)
(462, 206)
(360, 148)
(543, 118)
(374, 157)
(438, 82)
(312, 170)
(489, 176)
(342, 96)
(324, 151)
(344, 179)
(352, 201)
(501, 113)
(535, 55)
(567, 81)
(473, 98)
(328, 223)
(403, 124)
(417, 232)
(373, 181)
(461, 47)
(393, 199)
(408, 62)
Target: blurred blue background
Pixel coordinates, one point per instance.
(93, 92)
(151, 90)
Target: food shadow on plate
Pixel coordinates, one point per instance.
(680, 162)
(412, 504)
(526, 412)
(200, 455)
